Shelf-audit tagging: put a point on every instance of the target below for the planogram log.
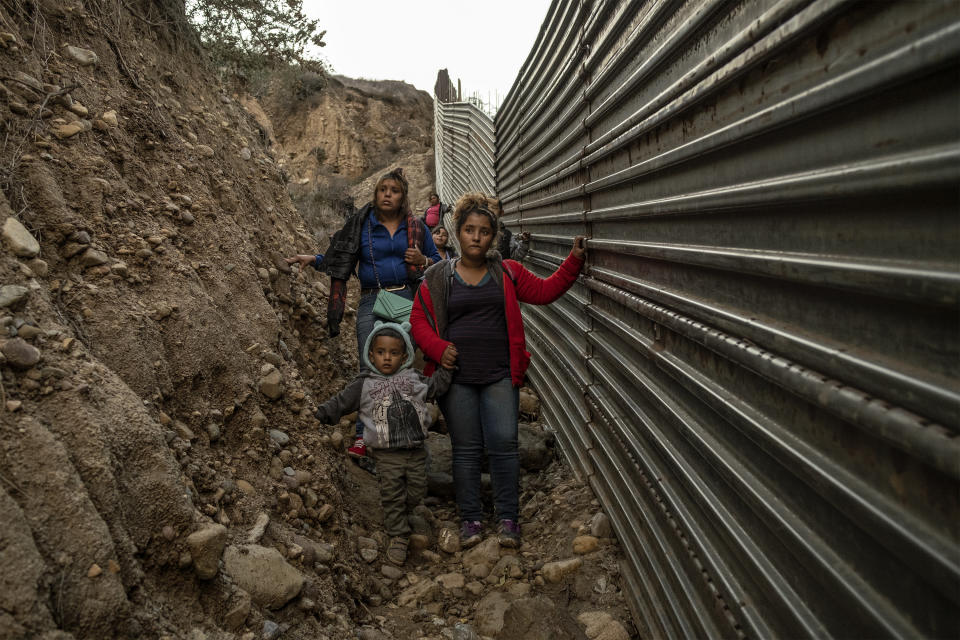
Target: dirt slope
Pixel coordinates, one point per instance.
(161, 475)
(330, 137)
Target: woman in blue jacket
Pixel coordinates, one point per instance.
(387, 246)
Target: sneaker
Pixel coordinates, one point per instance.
(509, 534)
(397, 550)
(470, 533)
(358, 450)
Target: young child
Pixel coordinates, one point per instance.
(391, 400)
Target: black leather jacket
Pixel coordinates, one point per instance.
(341, 258)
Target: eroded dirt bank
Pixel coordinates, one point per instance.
(160, 471)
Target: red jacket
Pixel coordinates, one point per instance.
(529, 288)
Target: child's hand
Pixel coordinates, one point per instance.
(449, 357)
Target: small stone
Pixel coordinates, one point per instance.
(94, 570)
(112, 566)
(391, 572)
(271, 630)
(79, 109)
(20, 354)
(245, 153)
(600, 525)
(110, 117)
(93, 258)
(259, 527)
(368, 554)
(336, 440)
(83, 57)
(120, 268)
(325, 512)
(213, 431)
(246, 487)
(430, 556)
(39, 267)
(14, 405)
(585, 544)
(452, 581)
(169, 533)
(519, 589)
(236, 616)
(556, 571)
(271, 385)
(187, 217)
(204, 150)
(418, 594)
(19, 240)
(490, 612)
(183, 431)
(13, 295)
(366, 543)
(206, 546)
(529, 403)
(69, 130)
(279, 437)
(29, 331)
(448, 540)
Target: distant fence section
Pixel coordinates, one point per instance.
(758, 371)
(463, 147)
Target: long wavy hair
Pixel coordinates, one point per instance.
(476, 202)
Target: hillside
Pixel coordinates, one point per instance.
(334, 138)
(161, 474)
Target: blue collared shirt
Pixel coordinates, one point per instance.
(388, 253)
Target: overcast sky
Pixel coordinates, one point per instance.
(481, 42)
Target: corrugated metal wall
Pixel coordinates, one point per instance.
(758, 372)
(463, 149)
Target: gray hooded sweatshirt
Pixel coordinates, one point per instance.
(392, 408)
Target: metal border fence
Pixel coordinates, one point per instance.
(758, 371)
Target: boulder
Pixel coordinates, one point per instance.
(536, 448)
(20, 354)
(489, 614)
(13, 295)
(263, 573)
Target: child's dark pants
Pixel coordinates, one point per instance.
(403, 485)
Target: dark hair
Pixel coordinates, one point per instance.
(397, 176)
(435, 194)
(389, 333)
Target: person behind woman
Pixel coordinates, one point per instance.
(440, 239)
(388, 246)
(509, 245)
(433, 213)
(467, 314)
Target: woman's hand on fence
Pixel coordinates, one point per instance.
(414, 256)
(579, 246)
(302, 259)
(449, 357)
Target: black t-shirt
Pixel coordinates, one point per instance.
(477, 325)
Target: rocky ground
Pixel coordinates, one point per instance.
(161, 475)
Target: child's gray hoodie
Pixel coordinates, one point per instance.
(392, 409)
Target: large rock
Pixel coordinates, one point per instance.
(536, 448)
(529, 403)
(206, 545)
(20, 241)
(263, 573)
(20, 354)
(600, 525)
(480, 560)
(538, 619)
(13, 295)
(600, 625)
(489, 615)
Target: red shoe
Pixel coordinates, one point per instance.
(358, 450)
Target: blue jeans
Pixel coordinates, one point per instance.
(477, 416)
(365, 321)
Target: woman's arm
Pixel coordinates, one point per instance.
(534, 290)
(423, 334)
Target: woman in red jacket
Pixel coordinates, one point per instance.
(467, 315)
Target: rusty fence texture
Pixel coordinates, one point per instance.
(463, 149)
(758, 371)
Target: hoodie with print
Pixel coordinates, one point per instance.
(392, 408)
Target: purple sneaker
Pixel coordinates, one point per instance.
(509, 534)
(471, 532)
